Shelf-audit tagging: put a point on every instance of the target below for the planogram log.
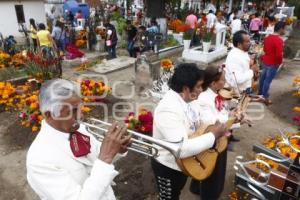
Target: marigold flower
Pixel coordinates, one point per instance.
(34, 128)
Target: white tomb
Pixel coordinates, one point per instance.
(220, 50)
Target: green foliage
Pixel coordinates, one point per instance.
(34, 70)
(10, 73)
(188, 35)
(116, 16)
(295, 3)
(207, 37)
(169, 41)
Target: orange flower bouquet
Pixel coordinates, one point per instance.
(4, 59)
(285, 150)
(166, 64)
(93, 89)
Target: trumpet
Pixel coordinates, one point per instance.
(140, 143)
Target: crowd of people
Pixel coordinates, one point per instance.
(65, 161)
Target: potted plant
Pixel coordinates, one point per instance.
(187, 37)
(206, 41)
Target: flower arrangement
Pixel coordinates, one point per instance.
(142, 124)
(81, 38)
(92, 88)
(188, 34)
(25, 101)
(270, 143)
(101, 31)
(296, 83)
(166, 64)
(4, 59)
(177, 25)
(41, 68)
(16, 60)
(6, 90)
(31, 115)
(290, 20)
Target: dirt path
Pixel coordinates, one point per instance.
(136, 179)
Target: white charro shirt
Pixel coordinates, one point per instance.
(238, 73)
(206, 108)
(55, 173)
(174, 120)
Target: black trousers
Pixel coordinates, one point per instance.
(169, 182)
(212, 187)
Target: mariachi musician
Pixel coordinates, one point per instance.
(212, 107)
(65, 161)
(174, 120)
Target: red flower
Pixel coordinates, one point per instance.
(86, 82)
(23, 115)
(146, 118)
(148, 128)
(30, 55)
(131, 114)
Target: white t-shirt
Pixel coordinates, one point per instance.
(270, 30)
(236, 25)
(211, 20)
(238, 73)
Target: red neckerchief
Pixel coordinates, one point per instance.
(219, 103)
(80, 144)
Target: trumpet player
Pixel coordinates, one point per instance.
(174, 119)
(65, 161)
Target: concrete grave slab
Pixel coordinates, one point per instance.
(113, 65)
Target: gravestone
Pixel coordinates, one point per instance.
(220, 50)
(143, 78)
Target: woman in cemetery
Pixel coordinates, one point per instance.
(255, 26)
(33, 31)
(58, 34)
(111, 38)
(45, 41)
(140, 41)
(131, 33)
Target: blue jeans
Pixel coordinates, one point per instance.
(130, 48)
(111, 52)
(268, 74)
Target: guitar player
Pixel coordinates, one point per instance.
(211, 107)
(175, 120)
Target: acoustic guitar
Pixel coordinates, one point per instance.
(201, 166)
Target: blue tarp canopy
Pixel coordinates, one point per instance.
(73, 6)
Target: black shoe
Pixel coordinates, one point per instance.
(230, 147)
(233, 139)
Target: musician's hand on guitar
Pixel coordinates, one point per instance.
(114, 142)
(218, 129)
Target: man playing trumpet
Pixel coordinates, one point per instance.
(65, 161)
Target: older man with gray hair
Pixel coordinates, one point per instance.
(65, 161)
